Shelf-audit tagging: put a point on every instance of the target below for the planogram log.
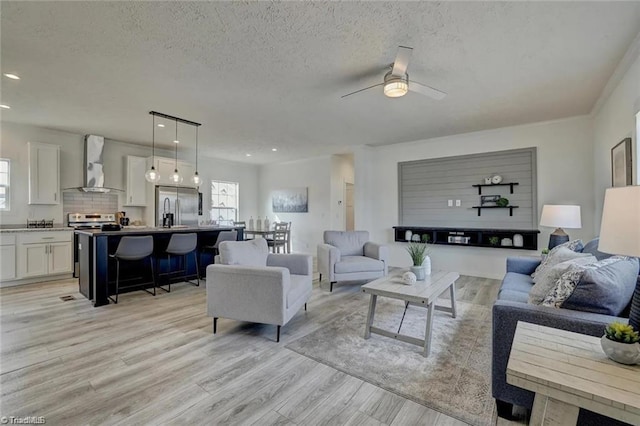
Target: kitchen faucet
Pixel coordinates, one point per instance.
(167, 216)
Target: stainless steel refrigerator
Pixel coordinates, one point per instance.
(183, 202)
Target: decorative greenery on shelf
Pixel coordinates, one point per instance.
(502, 202)
(622, 333)
(426, 238)
(545, 251)
(418, 252)
(494, 241)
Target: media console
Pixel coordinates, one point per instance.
(472, 237)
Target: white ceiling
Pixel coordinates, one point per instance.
(263, 75)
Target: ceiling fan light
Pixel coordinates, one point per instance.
(395, 89)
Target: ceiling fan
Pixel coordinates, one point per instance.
(396, 82)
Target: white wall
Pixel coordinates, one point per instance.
(315, 174)
(13, 145)
(612, 122)
(565, 176)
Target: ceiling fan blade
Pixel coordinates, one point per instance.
(402, 61)
(436, 94)
(361, 90)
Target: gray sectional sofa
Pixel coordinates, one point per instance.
(511, 306)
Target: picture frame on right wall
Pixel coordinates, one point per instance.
(621, 164)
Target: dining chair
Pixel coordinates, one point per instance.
(279, 240)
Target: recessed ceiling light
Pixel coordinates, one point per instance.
(274, 149)
(11, 76)
(160, 125)
(5, 106)
(176, 141)
(248, 155)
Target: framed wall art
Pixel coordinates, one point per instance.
(621, 163)
(293, 200)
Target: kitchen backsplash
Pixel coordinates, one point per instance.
(86, 202)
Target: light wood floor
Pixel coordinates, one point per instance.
(155, 360)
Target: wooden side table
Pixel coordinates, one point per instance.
(569, 371)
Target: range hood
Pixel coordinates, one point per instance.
(93, 166)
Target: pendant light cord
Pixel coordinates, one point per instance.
(196, 149)
(176, 144)
(153, 139)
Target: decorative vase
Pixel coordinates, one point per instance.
(518, 240)
(624, 353)
(427, 265)
(420, 272)
(259, 224)
(266, 224)
(407, 235)
(251, 223)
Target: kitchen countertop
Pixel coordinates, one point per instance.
(137, 230)
(6, 229)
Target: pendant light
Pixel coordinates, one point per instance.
(195, 179)
(152, 175)
(175, 177)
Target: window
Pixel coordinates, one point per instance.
(4, 184)
(224, 202)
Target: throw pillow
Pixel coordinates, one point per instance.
(559, 254)
(246, 253)
(607, 286)
(607, 290)
(546, 280)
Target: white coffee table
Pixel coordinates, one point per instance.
(422, 293)
(568, 371)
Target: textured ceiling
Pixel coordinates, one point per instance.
(262, 75)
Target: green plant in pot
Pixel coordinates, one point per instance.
(502, 202)
(419, 253)
(620, 343)
(494, 241)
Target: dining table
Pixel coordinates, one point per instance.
(264, 233)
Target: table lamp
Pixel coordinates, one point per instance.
(620, 232)
(560, 216)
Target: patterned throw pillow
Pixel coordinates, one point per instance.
(606, 288)
(551, 259)
(546, 280)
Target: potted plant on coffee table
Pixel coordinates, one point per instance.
(419, 253)
(620, 343)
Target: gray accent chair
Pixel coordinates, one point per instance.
(349, 255)
(512, 307)
(247, 283)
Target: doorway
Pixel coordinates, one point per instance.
(348, 205)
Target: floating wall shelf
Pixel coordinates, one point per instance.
(472, 237)
(495, 207)
(480, 186)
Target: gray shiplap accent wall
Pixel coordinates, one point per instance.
(424, 186)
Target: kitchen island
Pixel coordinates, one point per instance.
(94, 247)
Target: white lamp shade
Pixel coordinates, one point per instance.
(620, 227)
(560, 216)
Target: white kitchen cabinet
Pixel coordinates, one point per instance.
(44, 173)
(136, 191)
(186, 170)
(7, 257)
(44, 253)
(34, 260)
(60, 258)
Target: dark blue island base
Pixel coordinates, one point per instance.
(97, 272)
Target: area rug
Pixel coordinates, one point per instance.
(455, 379)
